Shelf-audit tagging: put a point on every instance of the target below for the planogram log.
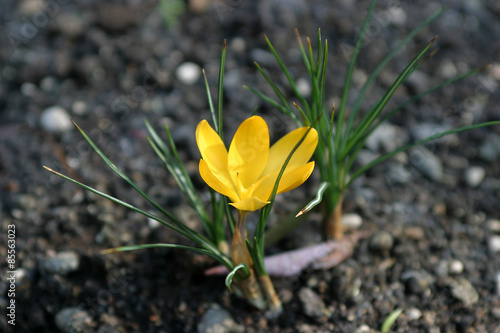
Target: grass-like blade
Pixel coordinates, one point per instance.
(221, 259)
(232, 273)
(371, 116)
(390, 320)
(220, 91)
(319, 197)
(348, 77)
(384, 157)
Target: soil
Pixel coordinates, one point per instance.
(433, 213)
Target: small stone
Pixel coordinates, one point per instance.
(62, 263)
(494, 243)
(311, 302)
(414, 232)
(497, 284)
(493, 225)
(73, 26)
(456, 267)
(448, 69)
(74, 319)
(474, 176)
(188, 73)
(351, 221)
(304, 87)
(427, 163)
(238, 44)
(364, 329)
(417, 282)
(217, 320)
(79, 108)
(413, 314)
(398, 16)
(28, 89)
(463, 290)
(383, 138)
(382, 241)
(55, 119)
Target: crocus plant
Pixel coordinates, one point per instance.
(344, 132)
(247, 177)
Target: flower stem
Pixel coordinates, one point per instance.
(271, 297)
(333, 223)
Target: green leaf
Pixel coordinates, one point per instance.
(390, 320)
(347, 81)
(319, 197)
(230, 276)
(384, 157)
(371, 116)
(220, 90)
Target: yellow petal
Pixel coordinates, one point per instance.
(290, 180)
(281, 149)
(211, 147)
(250, 204)
(249, 151)
(216, 182)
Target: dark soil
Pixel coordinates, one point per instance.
(111, 64)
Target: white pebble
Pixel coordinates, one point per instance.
(413, 314)
(188, 73)
(494, 244)
(497, 283)
(351, 221)
(79, 108)
(493, 225)
(55, 119)
(304, 87)
(456, 267)
(474, 176)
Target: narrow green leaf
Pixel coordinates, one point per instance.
(224, 261)
(390, 320)
(220, 90)
(384, 157)
(371, 116)
(347, 81)
(230, 276)
(319, 196)
(211, 103)
(373, 76)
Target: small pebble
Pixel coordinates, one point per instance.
(311, 303)
(217, 320)
(497, 284)
(79, 108)
(493, 225)
(462, 290)
(363, 329)
(382, 241)
(55, 119)
(456, 267)
(304, 87)
(474, 176)
(188, 73)
(351, 221)
(494, 243)
(62, 263)
(427, 163)
(413, 314)
(74, 319)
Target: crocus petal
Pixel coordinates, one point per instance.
(250, 204)
(282, 148)
(211, 147)
(290, 180)
(216, 182)
(249, 151)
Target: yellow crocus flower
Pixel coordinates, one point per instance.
(246, 174)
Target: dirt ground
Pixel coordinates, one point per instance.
(433, 212)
